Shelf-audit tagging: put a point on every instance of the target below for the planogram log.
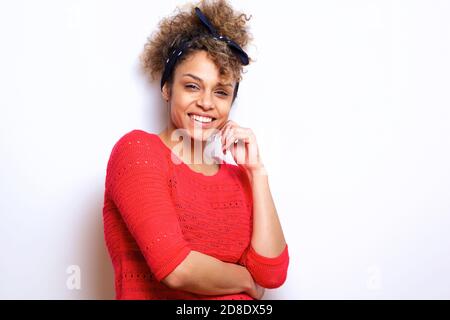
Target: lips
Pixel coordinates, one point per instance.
(201, 115)
(196, 123)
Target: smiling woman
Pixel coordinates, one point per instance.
(197, 98)
(181, 230)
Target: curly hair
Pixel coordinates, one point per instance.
(185, 24)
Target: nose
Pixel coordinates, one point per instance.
(205, 101)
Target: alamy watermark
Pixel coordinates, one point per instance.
(374, 279)
(73, 281)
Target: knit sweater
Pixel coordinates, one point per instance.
(156, 210)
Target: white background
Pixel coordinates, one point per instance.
(349, 101)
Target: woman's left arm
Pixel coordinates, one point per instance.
(267, 237)
(267, 257)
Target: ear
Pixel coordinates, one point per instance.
(165, 92)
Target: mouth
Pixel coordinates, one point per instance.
(204, 122)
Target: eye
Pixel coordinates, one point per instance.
(223, 93)
(191, 86)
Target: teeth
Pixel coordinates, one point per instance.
(201, 119)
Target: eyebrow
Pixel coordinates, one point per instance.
(201, 80)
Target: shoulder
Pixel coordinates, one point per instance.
(244, 179)
(135, 140)
(136, 145)
(135, 159)
(237, 171)
(239, 174)
(136, 136)
(243, 176)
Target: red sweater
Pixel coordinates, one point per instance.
(157, 210)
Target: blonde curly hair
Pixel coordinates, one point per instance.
(185, 24)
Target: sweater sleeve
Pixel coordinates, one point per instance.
(138, 186)
(267, 272)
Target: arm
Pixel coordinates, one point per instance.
(267, 257)
(203, 274)
(137, 184)
(267, 238)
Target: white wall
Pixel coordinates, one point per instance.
(349, 101)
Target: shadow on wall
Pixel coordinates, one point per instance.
(98, 279)
(155, 111)
(104, 280)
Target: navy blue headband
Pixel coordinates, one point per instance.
(177, 52)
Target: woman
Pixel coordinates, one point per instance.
(182, 229)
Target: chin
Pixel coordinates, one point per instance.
(201, 134)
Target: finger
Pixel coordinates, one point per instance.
(239, 152)
(233, 151)
(226, 129)
(224, 125)
(236, 134)
(228, 124)
(228, 137)
(223, 132)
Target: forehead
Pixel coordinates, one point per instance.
(199, 64)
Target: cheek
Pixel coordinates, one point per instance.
(178, 113)
(182, 102)
(224, 112)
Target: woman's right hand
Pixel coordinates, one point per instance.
(256, 291)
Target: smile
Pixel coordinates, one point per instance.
(200, 120)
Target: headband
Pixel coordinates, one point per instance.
(177, 52)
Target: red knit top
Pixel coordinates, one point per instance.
(157, 209)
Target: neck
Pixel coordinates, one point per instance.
(190, 150)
